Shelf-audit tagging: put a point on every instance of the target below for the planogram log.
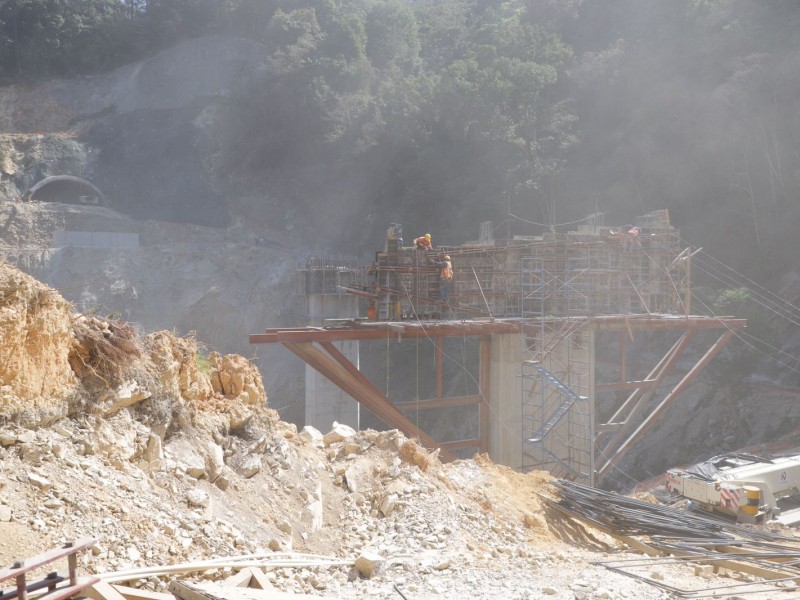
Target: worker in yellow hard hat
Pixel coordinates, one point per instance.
(423, 242)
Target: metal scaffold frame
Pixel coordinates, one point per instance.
(575, 299)
(555, 378)
(566, 284)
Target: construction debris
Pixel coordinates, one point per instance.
(709, 544)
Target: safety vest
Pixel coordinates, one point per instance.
(447, 270)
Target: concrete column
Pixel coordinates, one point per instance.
(505, 388)
(324, 401)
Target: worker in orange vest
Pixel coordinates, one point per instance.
(423, 242)
(445, 277)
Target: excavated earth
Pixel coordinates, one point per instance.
(168, 457)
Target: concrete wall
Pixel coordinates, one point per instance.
(505, 395)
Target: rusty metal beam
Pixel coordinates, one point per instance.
(340, 358)
(623, 385)
(461, 444)
(662, 323)
(371, 330)
(668, 399)
(438, 403)
(608, 427)
(375, 330)
(656, 375)
(624, 418)
(365, 393)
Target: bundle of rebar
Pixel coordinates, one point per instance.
(684, 537)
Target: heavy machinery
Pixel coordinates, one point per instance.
(752, 489)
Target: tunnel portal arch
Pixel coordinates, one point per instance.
(67, 189)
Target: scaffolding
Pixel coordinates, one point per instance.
(566, 281)
(592, 271)
(558, 291)
(327, 276)
(555, 378)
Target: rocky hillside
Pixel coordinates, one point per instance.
(219, 283)
(166, 457)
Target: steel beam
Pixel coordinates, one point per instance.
(668, 399)
(664, 322)
(624, 415)
(372, 330)
(362, 391)
(438, 403)
(461, 444)
(375, 330)
(623, 385)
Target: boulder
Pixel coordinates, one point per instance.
(313, 436)
(183, 452)
(339, 433)
(370, 564)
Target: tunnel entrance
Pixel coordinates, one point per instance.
(66, 189)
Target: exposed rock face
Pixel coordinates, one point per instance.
(155, 106)
(53, 362)
(111, 129)
(36, 381)
(235, 378)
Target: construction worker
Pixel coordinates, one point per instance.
(630, 237)
(423, 242)
(445, 277)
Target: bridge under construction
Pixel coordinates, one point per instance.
(546, 311)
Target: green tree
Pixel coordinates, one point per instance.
(501, 92)
(41, 38)
(392, 36)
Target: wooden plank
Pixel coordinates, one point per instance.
(39, 560)
(186, 591)
(103, 591)
(240, 579)
(259, 579)
(211, 591)
(72, 590)
(24, 589)
(130, 593)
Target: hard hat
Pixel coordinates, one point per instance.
(446, 257)
(428, 236)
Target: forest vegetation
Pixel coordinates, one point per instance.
(441, 114)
